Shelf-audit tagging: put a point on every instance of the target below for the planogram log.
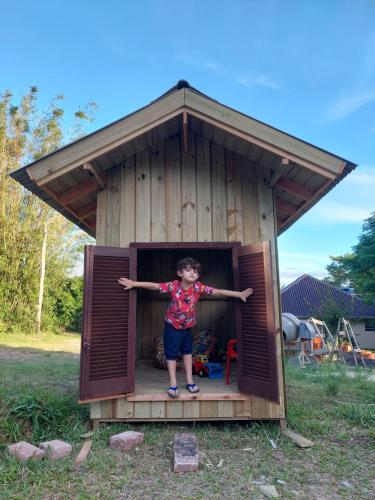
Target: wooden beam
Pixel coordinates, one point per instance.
(87, 210)
(79, 191)
(109, 137)
(234, 396)
(56, 197)
(185, 130)
(269, 147)
(285, 145)
(295, 188)
(85, 450)
(278, 172)
(99, 178)
(299, 440)
(305, 205)
(286, 207)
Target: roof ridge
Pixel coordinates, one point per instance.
(294, 282)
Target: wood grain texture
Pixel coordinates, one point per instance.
(127, 214)
(158, 194)
(219, 222)
(204, 198)
(113, 210)
(173, 175)
(101, 218)
(143, 197)
(189, 191)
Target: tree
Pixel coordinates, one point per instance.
(357, 269)
(338, 269)
(25, 135)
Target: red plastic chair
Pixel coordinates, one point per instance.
(231, 354)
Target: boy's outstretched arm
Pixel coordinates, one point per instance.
(128, 284)
(231, 293)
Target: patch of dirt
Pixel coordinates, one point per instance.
(29, 354)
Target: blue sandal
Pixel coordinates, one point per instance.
(193, 388)
(175, 392)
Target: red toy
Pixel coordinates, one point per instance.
(204, 368)
(231, 354)
(199, 363)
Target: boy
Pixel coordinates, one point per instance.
(180, 315)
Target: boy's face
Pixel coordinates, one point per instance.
(188, 274)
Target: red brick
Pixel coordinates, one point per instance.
(185, 450)
(56, 448)
(24, 451)
(126, 440)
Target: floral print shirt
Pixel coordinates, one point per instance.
(181, 312)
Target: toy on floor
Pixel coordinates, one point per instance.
(205, 368)
(204, 342)
(231, 354)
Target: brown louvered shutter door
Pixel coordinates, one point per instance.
(257, 369)
(108, 337)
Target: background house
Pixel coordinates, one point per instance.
(307, 296)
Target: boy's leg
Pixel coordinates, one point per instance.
(186, 351)
(171, 348)
(171, 363)
(188, 364)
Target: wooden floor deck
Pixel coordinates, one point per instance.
(151, 384)
(214, 401)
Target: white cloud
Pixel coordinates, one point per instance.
(287, 275)
(363, 179)
(198, 63)
(294, 264)
(331, 211)
(346, 104)
(261, 80)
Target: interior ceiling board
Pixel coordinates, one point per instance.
(59, 185)
(315, 182)
(288, 198)
(83, 202)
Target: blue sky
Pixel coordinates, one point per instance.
(305, 67)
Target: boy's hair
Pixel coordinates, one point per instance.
(188, 262)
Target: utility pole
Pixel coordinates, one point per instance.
(41, 282)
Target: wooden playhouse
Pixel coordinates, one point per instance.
(183, 176)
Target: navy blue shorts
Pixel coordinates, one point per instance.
(177, 341)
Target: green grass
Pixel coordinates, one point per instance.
(38, 401)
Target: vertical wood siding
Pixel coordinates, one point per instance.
(207, 194)
(163, 194)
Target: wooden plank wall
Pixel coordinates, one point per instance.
(213, 313)
(207, 194)
(121, 408)
(164, 194)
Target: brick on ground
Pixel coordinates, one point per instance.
(24, 451)
(126, 440)
(56, 448)
(185, 450)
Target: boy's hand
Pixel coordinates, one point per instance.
(245, 293)
(128, 284)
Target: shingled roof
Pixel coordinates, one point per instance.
(307, 296)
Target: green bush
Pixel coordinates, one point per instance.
(67, 309)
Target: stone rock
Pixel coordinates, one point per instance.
(23, 451)
(126, 440)
(56, 448)
(185, 450)
(347, 484)
(268, 490)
